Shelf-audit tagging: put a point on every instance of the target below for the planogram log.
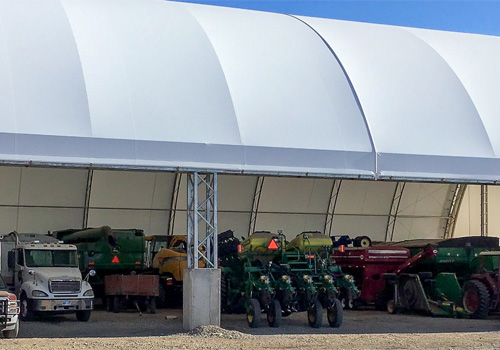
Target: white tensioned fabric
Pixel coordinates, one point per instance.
(430, 98)
(156, 83)
(150, 83)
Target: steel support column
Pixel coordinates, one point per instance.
(456, 203)
(202, 211)
(334, 195)
(396, 201)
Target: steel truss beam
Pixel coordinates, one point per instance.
(173, 203)
(88, 191)
(396, 201)
(334, 195)
(255, 206)
(456, 203)
(202, 211)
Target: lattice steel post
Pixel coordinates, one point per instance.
(202, 211)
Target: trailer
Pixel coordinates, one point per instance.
(140, 291)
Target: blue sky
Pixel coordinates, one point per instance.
(479, 16)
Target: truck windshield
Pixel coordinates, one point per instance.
(51, 258)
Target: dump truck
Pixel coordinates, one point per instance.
(166, 255)
(43, 273)
(9, 312)
(107, 251)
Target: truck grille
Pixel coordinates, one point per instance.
(65, 286)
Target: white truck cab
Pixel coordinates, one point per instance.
(44, 274)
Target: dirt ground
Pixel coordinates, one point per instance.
(366, 329)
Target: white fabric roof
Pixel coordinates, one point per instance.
(150, 83)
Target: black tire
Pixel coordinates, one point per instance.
(335, 314)
(83, 315)
(223, 293)
(274, 314)
(162, 296)
(109, 304)
(26, 314)
(476, 299)
(315, 314)
(254, 313)
(362, 241)
(152, 305)
(116, 304)
(12, 333)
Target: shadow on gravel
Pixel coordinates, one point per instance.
(169, 322)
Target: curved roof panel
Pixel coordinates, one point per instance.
(150, 83)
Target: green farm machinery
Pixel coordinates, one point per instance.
(269, 274)
(107, 251)
(448, 282)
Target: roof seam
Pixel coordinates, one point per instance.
(355, 94)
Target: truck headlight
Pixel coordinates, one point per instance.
(39, 293)
(89, 293)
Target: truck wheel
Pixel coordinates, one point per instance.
(83, 315)
(274, 314)
(254, 314)
(335, 314)
(116, 304)
(152, 305)
(476, 299)
(12, 333)
(315, 314)
(109, 304)
(26, 313)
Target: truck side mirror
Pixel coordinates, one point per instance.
(11, 258)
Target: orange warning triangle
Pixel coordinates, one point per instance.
(272, 245)
(115, 260)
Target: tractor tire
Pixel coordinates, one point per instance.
(26, 314)
(83, 315)
(315, 314)
(254, 313)
(274, 314)
(335, 314)
(476, 299)
(116, 304)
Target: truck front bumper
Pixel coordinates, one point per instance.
(62, 304)
(10, 324)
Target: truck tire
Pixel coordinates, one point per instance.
(12, 333)
(476, 299)
(83, 315)
(116, 304)
(26, 314)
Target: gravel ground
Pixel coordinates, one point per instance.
(361, 330)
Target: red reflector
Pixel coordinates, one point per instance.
(272, 245)
(137, 262)
(310, 256)
(170, 283)
(91, 263)
(239, 248)
(342, 248)
(115, 260)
